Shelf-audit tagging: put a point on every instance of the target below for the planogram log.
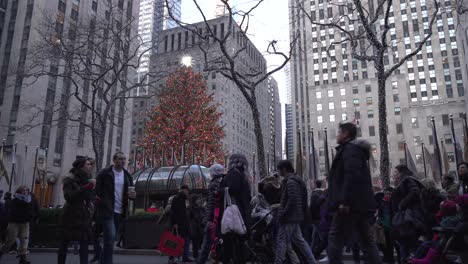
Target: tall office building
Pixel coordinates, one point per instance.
(274, 149)
(57, 137)
(153, 18)
(331, 87)
(289, 138)
(181, 46)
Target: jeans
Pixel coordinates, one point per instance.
(14, 231)
(291, 233)
(342, 228)
(63, 248)
(206, 246)
(110, 228)
(97, 230)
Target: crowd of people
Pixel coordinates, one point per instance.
(416, 221)
(410, 222)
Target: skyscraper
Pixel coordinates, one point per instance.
(329, 85)
(28, 118)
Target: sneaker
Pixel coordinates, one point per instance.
(324, 260)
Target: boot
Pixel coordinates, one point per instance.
(23, 260)
(431, 257)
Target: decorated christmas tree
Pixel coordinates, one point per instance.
(184, 126)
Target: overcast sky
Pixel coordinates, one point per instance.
(268, 22)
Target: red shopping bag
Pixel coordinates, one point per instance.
(171, 245)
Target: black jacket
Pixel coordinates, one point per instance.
(317, 199)
(180, 215)
(105, 192)
(20, 211)
(213, 187)
(406, 194)
(77, 213)
(293, 206)
(350, 182)
(239, 189)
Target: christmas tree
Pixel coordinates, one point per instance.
(184, 126)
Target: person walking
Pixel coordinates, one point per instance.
(20, 213)
(292, 213)
(180, 220)
(450, 186)
(237, 182)
(463, 178)
(217, 174)
(76, 217)
(112, 190)
(351, 196)
(406, 197)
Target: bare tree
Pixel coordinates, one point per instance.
(96, 57)
(370, 41)
(228, 61)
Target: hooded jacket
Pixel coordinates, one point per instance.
(350, 182)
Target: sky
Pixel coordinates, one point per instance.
(268, 22)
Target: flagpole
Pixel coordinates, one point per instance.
(13, 166)
(35, 169)
(437, 148)
(452, 127)
(406, 153)
(327, 158)
(424, 160)
(25, 158)
(313, 153)
(152, 156)
(135, 156)
(193, 154)
(299, 139)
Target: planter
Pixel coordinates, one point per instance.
(44, 234)
(142, 233)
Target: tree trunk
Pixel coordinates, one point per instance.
(262, 170)
(98, 148)
(383, 128)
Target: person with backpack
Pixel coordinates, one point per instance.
(292, 213)
(407, 222)
(217, 175)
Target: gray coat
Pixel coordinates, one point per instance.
(293, 206)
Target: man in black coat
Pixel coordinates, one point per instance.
(351, 196)
(292, 213)
(112, 190)
(180, 219)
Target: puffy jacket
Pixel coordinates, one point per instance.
(213, 187)
(293, 206)
(20, 211)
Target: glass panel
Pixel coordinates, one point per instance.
(140, 185)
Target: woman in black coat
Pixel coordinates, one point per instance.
(75, 221)
(406, 197)
(239, 189)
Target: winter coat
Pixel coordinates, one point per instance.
(180, 215)
(463, 185)
(350, 182)
(317, 199)
(105, 186)
(77, 213)
(20, 211)
(406, 194)
(293, 206)
(326, 216)
(196, 219)
(213, 187)
(430, 205)
(239, 189)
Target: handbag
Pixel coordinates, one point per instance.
(232, 221)
(407, 223)
(171, 244)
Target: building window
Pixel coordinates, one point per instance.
(372, 131)
(451, 156)
(343, 104)
(330, 93)
(414, 122)
(332, 118)
(399, 128)
(417, 140)
(318, 95)
(368, 89)
(355, 90)
(331, 105)
(369, 100)
(397, 111)
(396, 98)
(319, 107)
(370, 113)
(448, 138)
(445, 120)
(320, 119)
(342, 92)
(356, 102)
(344, 117)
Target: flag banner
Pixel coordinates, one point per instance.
(410, 161)
(372, 164)
(433, 164)
(465, 143)
(445, 160)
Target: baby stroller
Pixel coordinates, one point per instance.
(455, 243)
(260, 244)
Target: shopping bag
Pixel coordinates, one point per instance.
(171, 244)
